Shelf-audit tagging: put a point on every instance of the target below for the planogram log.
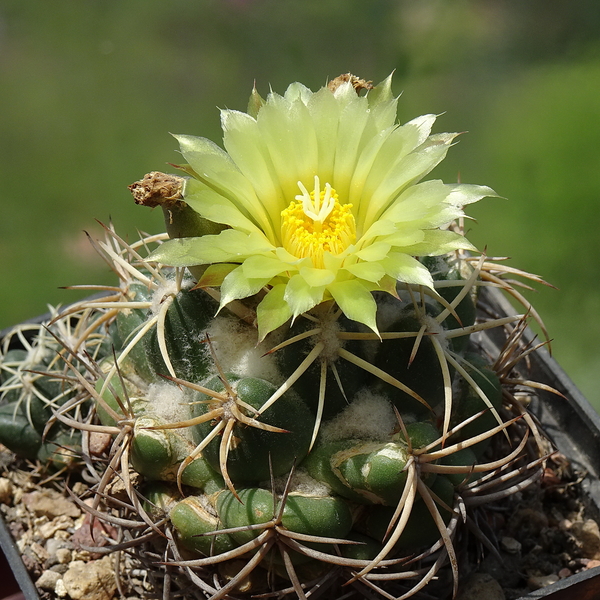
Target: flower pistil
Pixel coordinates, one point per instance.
(316, 222)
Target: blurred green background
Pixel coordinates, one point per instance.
(89, 90)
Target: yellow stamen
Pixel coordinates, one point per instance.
(315, 223)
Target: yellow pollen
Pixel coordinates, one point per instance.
(315, 223)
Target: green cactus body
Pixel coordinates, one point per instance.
(17, 433)
(421, 531)
(350, 377)
(365, 471)
(256, 453)
(320, 516)
(63, 451)
(120, 392)
(422, 375)
(469, 402)
(128, 323)
(192, 521)
(159, 498)
(185, 324)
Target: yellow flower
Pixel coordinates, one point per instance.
(322, 199)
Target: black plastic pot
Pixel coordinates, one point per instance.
(574, 427)
(571, 423)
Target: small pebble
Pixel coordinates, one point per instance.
(99, 442)
(58, 568)
(565, 524)
(6, 491)
(39, 552)
(54, 544)
(63, 556)
(541, 581)
(94, 580)
(565, 573)
(481, 585)
(47, 530)
(51, 504)
(587, 535)
(510, 545)
(60, 590)
(47, 580)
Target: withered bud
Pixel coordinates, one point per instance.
(357, 83)
(158, 189)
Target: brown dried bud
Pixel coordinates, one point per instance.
(158, 189)
(357, 83)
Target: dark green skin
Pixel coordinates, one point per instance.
(115, 391)
(63, 450)
(35, 410)
(190, 519)
(185, 324)
(423, 375)
(421, 530)
(201, 475)
(17, 433)
(256, 507)
(159, 498)
(465, 311)
(32, 406)
(307, 386)
(151, 453)
(441, 270)
(367, 472)
(248, 462)
(468, 402)
(368, 548)
(127, 324)
(323, 516)
(14, 356)
(318, 466)
(461, 458)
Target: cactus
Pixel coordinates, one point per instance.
(301, 415)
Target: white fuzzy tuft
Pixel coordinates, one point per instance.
(169, 288)
(170, 403)
(235, 345)
(302, 483)
(368, 417)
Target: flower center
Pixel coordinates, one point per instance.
(315, 223)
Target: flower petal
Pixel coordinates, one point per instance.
(236, 286)
(259, 266)
(463, 193)
(437, 242)
(408, 171)
(369, 271)
(291, 139)
(229, 246)
(374, 252)
(353, 122)
(300, 296)
(355, 301)
(215, 274)
(325, 113)
(398, 144)
(316, 277)
(243, 141)
(273, 311)
(403, 267)
(382, 104)
(215, 207)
